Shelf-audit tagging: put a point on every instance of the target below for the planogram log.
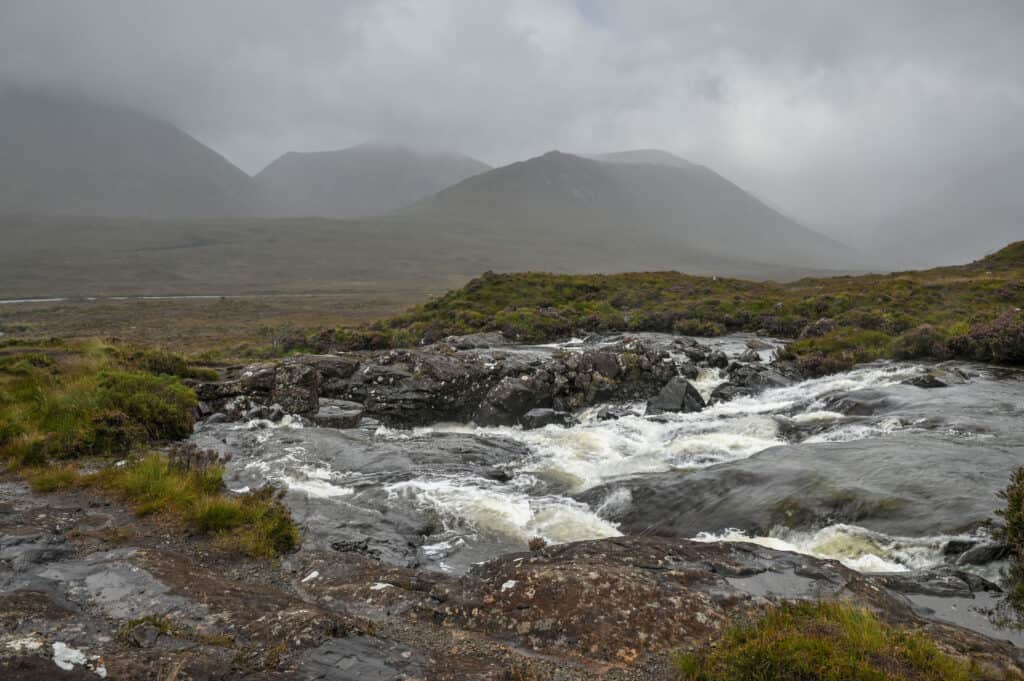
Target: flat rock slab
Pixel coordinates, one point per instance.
(338, 414)
(360, 658)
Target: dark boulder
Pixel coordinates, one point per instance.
(512, 398)
(297, 388)
(756, 378)
(678, 395)
(925, 381)
(538, 418)
(749, 356)
(725, 392)
(984, 554)
(718, 359)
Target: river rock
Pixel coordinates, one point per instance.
(925, 381)
(678, 395)
(488, 339)
(749, 356)
(538, 418)
(718, 359)
(725, 392)
(616, 600)
(338, 414)
(297, 388)
(984, 553)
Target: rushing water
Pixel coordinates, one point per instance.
(858, 467)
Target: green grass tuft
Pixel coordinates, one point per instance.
(256, 523)
(825, 642)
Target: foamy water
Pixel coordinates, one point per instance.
(539, 493)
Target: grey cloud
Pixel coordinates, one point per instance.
(839, 112)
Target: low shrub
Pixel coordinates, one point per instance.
(1010, 529)
(256, 523)
(1000, 340)
(75, 399)
(824, 642)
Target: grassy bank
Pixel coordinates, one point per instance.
(63, 404)
(255, 523)
(969, 311)
(826, 642)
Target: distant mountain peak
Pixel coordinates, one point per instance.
(367, 179)
(648, 156)
(66, 154)
(631, 206)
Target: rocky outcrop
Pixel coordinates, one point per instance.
(751, 379)
(539, 418)
(442, 383)
(297, 387)
(622, 600)
(338, 414)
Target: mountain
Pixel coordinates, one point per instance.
(649, 156)
(974, 215)
(361, 181)
(68, 155)
(668, 215)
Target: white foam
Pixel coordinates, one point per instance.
(482, 507)
(319, 489)
(855, 547)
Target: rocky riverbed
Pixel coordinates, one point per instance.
(670, 487)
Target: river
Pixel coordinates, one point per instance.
(859, 467)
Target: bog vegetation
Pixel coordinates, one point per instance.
(971, 311)
(68, 407)
(826, 642)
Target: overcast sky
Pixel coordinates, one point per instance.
(837, 112)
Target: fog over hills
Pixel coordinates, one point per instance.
(360, 181)
(64, 155)
(978, 213)
(678, 204)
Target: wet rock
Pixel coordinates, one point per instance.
(940, 581)
(751, 379)
(360, 658)
(678, 395)
(334, 371)
(718, 359)
(859, 403)
(338, 414)
(758, 344)
(297, 388)
(257, 412)
(925, 381)
(538, 418)
(955, 547)
(725, 392)
(749, 356)
(489, 339)
(509, 401)
(616, 599)
(696, 353)
(984, 554)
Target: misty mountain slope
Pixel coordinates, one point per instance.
(64, 155)
(647, 156)
(360, 181)
(640, 207)
(976, 214)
